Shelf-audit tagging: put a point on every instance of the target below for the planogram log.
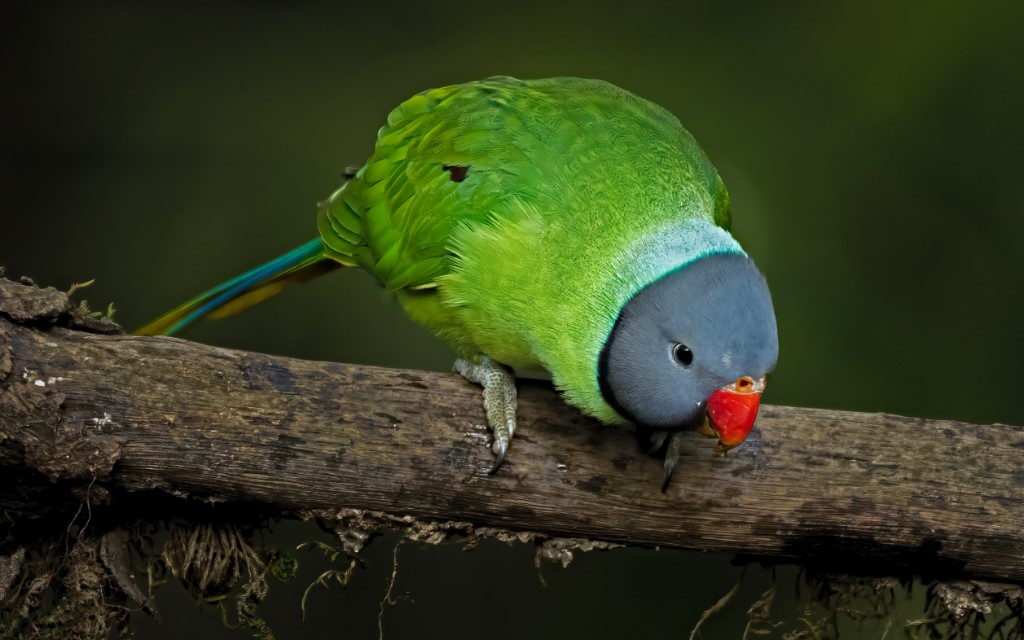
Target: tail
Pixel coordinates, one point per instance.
(246, 290)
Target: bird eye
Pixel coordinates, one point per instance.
(682, 354)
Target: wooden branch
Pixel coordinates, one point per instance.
(130, 413)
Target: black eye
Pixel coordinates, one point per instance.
(682, 354)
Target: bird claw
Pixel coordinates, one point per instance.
(499, 448)
(670, 466)
(675, 446)
(499, 401)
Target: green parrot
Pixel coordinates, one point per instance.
(558, 224)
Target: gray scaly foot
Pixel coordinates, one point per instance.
(499, 400)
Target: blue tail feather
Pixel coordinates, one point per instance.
(207, 302)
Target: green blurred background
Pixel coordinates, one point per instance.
(873, 150)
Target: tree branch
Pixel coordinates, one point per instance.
(81, 400)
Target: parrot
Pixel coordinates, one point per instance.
(559, 225)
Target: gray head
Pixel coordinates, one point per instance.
(696, 330)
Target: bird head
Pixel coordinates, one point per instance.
(692, 350)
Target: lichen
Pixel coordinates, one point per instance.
(87, 590)
(85, 601)
(26, 303)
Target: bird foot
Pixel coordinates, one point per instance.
(499, 400)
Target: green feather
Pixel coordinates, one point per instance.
(571, 196)
(241, 292)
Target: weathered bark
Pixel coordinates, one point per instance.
(127, 413)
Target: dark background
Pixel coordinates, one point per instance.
(873, 151)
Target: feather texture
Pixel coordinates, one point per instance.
(515, 219)
(244, 291)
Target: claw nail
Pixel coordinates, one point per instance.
(670, 466)
(499, 450)
(672, 457)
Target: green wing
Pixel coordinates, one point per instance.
(492, 156)
(396, 216)
(434, 169)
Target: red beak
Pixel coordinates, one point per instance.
(732, 409)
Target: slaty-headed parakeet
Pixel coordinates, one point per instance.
(564, 224)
